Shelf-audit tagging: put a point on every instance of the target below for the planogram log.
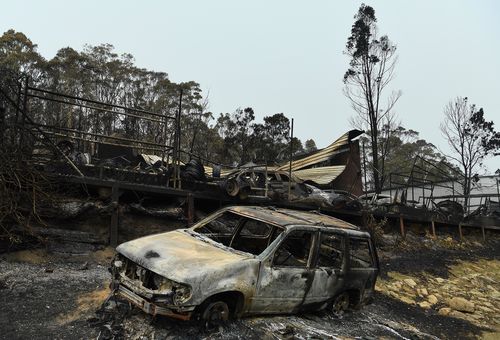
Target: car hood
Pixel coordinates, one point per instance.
(179, 255)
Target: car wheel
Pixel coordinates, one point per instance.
(232, 187)
(340, 303)
(215, 314)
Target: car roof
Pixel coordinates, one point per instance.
(285, 217)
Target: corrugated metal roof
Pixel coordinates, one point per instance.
(320, 156)
(321, 175)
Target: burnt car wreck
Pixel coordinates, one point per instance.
(248, 260)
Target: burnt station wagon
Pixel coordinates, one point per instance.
(248, 260)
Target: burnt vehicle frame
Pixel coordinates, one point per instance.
(305, 261)
(262, 181)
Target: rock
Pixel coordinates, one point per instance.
(410, 282)
(461, 304)
(407, 300)
(444, 311)
(394, 295)
(457, 314)
(439, 280)
(432, 299)
(424, 305)
(424, 291)
(85, 266)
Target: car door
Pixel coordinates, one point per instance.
(285, 277)
(330, 268)
(362, 266)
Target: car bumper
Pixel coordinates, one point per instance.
(182, 313)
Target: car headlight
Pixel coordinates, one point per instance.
(182, 293)
(162, 283)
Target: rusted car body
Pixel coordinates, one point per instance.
(260, 181)
(248, 260)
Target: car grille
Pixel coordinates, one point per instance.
(134, 272)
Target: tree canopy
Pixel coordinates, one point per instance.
(371, 69)
(99, 73)
(470, 136)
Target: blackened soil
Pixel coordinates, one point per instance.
(57, 299)
(436, 261)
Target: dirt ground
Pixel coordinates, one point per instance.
(54, 293)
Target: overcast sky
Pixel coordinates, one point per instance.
(286, 56)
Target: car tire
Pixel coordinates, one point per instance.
(214, 314)
(340, 303)
(232, 187)
(194, 170)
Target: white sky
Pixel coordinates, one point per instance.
(286, 56)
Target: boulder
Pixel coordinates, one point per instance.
(461, 304)
(424, 305)
(410, 282)
(444, 311)
(407, 300)
(432, 299)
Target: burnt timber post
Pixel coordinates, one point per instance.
(115, 218)
(402, 226)
(190, 209)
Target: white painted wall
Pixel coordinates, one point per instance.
(486, 185)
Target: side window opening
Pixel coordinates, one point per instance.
(271, 177)
(221, 228)
(331, 251)
(253, 237)
(284, 178)
(294, 250)
(360, 255)
(255, 228)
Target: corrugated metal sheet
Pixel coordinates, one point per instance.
(320, 156)
(150, 159)
(322, 175)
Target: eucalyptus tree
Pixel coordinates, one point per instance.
(371, 69)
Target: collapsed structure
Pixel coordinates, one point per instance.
(122, 169)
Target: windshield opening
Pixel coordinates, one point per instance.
(239, 232)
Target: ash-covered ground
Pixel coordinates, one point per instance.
(55, 292)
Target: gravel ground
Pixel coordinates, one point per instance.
(55, 296)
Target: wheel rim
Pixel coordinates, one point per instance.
(232, 188)
(216, 314)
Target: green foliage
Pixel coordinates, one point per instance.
(371, 67)
(310, 145)
(471, 138)
(399, 149)
(263, 143)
